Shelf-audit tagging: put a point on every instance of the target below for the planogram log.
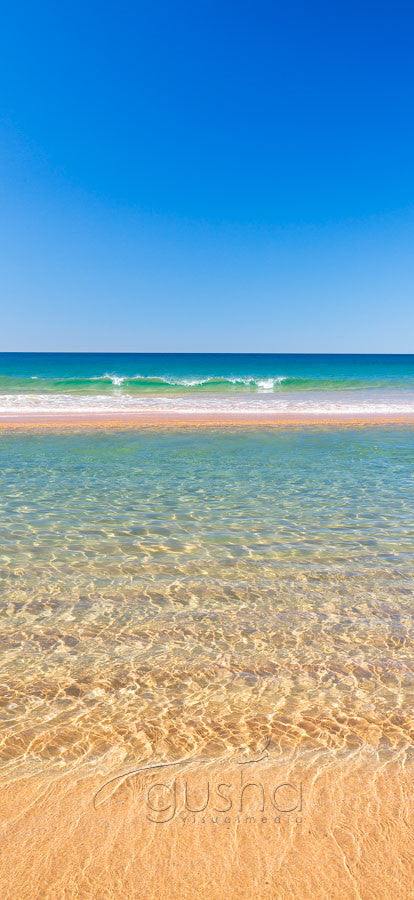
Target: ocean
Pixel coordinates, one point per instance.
(285, 383)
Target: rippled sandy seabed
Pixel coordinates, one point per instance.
(215, 609)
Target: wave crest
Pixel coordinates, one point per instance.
(113, 382)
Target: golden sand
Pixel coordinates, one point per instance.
(340, 830)
(195, 420)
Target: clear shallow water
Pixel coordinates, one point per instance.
(169, 593)
(95, 382)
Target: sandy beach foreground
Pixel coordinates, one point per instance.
(207, 652)
(196, 420)
(339, 831)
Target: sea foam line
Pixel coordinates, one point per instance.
(264, 384)
(266, 403)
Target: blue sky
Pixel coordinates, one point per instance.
(212, 176)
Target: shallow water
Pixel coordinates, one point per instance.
(168, 593)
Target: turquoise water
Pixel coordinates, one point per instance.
(96, 373)
(167, 593)
(212, 384)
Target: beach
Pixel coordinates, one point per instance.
(182, 419)
(57, 845)
(207, 452)
(206, 607)
(207, 675)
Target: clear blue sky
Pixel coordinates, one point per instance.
(207, 176)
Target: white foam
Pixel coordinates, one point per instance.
(297, 402)
(266, 385)
(117, 380)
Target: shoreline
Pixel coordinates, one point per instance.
(301, 830)
(162, 419)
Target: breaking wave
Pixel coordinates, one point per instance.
(114, 382)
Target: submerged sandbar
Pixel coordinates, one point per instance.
(186, 419)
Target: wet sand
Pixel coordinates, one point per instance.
(195, 420)
(259, 635)
(347, 834)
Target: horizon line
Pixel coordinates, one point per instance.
(212, 352)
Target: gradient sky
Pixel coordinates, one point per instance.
(207, 176)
